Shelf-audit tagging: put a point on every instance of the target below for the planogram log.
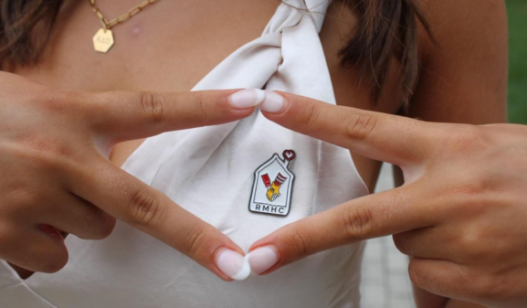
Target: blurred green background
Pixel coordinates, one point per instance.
(517, 13)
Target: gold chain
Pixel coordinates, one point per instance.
(131, 13)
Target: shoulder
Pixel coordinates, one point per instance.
(463, 25)
(464, 74)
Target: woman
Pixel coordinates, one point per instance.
(470, 60)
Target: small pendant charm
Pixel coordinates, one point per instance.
(273, 186)
(103, 40)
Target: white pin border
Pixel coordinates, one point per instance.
(285, 163)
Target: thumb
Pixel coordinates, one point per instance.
(389, 212)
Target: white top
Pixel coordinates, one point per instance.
(211, 172)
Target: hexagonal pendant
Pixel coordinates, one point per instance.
(103, 40)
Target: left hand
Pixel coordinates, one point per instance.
(461, 215)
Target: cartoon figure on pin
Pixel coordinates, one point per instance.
(273, 186)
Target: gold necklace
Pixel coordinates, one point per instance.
(103, 39)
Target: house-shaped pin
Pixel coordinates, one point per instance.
(273, 186)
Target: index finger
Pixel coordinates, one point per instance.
(380, 136)
(126, 115)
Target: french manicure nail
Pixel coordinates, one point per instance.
(262, 259)
(233, 264)
(273, 102)
(246, 98)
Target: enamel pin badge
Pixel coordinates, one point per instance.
(273, 186)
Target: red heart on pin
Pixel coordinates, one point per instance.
(289, 155)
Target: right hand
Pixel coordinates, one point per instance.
(460, 216)
(55, 174)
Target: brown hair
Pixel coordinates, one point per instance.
(25, 27)
(385, 28)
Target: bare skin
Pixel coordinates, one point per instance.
(463, 81)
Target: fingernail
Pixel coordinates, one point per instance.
(273, 102)
(262, 259)
(246, 98)
(233, 264)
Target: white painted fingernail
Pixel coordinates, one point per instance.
(273, 102)
(233, 264)
(262, 259)
(247, 98)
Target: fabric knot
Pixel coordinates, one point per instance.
(290, 12)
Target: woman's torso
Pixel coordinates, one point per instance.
(170, 47)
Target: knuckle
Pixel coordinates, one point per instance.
(416, 275)
(300, 244)
(54, 262)
(471, 242)
(195, 240)
(107, 228)
(401, 242)
(423, 276)
(45, 154)
(488, 287)
(357, 222)
(359, 126)
(473, 132)
(310, 116)
(144, 208)
(310, 113)
(53, 99)
(153, 105)
(102, 228)
(474, 185)
(466, 139)
(203, 105)
(49, 167)
(45, 157)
